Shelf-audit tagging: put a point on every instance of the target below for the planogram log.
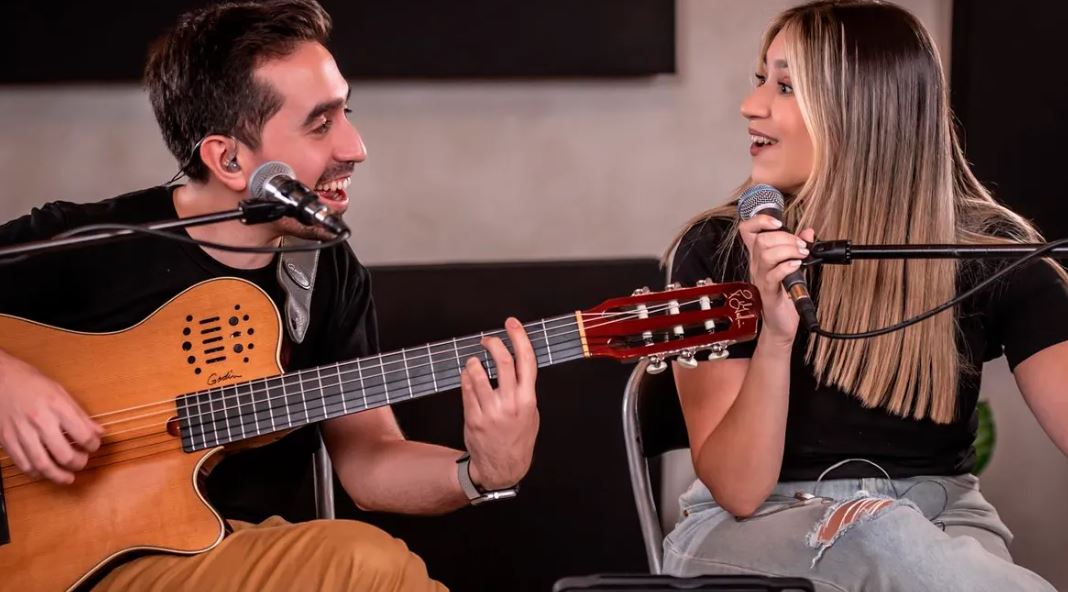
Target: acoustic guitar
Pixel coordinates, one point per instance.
(201, 376)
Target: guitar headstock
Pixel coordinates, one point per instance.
(675, 323)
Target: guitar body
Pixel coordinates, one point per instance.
(140, 491)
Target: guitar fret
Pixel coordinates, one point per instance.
(407, 376)
(363, 387)
(459, 364)
(258, 410)
(188, 431)
(303, 399)
(433, 370)
(485, 354)
(211, 418)
(545, 336)
(198, 427)
(226, 415)
(341, 387)
(322, 392)
(270, 408)
(285, 402)
(382, 373)
(241, 409)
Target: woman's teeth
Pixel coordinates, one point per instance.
(762, 140)
(336, 185)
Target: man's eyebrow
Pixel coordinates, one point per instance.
(326, 107)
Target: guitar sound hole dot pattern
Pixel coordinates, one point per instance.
(205, 343)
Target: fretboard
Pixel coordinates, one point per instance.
(258, 407)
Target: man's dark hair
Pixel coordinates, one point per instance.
(200, 74)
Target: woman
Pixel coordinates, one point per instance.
(848, 462)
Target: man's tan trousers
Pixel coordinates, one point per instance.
(277, 555)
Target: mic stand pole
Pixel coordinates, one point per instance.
(842, 252)
(249, 212)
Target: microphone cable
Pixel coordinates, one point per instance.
(133, 229)
(953, 302)
(344, 236)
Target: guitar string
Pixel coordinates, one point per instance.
(372, 396)
(477, 348)
(95, 460)
(248, 417)
(345, 367)
(109, 439)
(160, 429)
(376, 400)
(170, 411)
(364, 374)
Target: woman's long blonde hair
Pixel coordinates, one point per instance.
(887, 168)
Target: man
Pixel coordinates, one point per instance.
(234, 86)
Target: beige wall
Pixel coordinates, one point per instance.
(464, 170)
(468, 170)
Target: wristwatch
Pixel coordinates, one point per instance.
(476, 495)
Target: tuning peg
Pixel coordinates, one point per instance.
(673, 286)
(686, 359)
(718, 352)
(641, 291)
(704, 282)
(656, 365)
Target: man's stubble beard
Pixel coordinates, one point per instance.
(293, 227)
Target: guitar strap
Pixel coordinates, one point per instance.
(296, 275)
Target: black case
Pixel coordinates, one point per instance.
(659, 583)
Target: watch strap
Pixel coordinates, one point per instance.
(476, 496)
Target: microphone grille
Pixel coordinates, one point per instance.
(263, 175)
(759, 197)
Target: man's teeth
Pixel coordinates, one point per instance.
(337, 185)
(762, 140)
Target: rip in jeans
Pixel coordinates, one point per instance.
(841, 516)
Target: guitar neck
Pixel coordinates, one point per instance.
(258, 407)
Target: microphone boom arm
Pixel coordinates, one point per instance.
(843, 252)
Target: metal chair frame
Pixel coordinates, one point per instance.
(638, 465)
(323, 481)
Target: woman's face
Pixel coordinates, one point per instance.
(781, 147)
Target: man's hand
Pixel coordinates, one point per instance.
(500, 424)
(35, 412)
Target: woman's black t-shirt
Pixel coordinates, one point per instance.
(1020, 315)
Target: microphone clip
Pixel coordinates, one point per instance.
(836, 252)
(260, 211)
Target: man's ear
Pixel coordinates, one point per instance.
(220, 155)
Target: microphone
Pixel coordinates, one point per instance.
(767, 200)
(275, 182)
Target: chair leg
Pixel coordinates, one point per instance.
(323, 475)
(638, 466)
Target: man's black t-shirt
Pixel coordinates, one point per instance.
(1018, 316)
(112, 286)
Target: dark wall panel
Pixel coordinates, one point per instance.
(67, 41)
(1010, 93)
(575, 512)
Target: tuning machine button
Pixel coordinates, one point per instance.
(656, 365)
(718, 352)
(686, 359)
